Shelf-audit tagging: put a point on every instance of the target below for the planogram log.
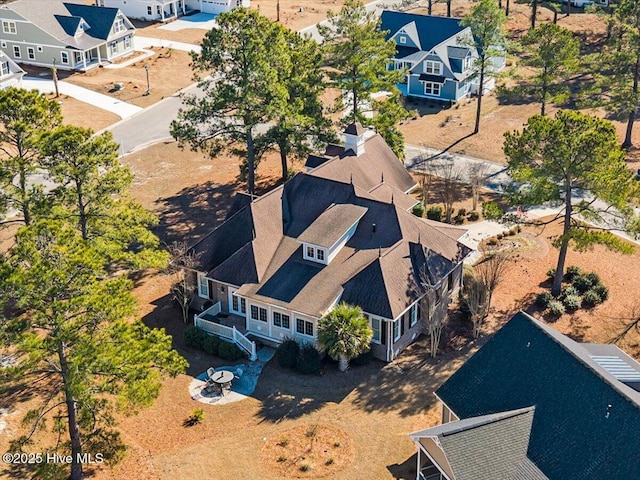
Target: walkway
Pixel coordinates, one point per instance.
(205, 21)
(148, 42)
(105, 102)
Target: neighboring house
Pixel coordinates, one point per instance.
(69, 35)
(438, 55)
(10, 73)
(216, 6)
(341, 232)
(532, 404)
(165, 10)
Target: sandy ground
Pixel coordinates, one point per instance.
(75, 112)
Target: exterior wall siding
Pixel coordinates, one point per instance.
(139, 9)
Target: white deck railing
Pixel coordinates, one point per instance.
(222, 331)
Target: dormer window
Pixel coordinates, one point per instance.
(432, 67)
(325, 237)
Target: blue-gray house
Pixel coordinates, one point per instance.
(438, 55)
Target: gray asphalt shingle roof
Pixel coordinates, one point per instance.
(586, 421)
(489, 447)
(332, 224)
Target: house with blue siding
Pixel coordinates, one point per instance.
(437, 53)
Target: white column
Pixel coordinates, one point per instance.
(99, 59)
(84, 60)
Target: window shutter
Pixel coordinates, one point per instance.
(383, 332)
(402, 322)
(211, 289)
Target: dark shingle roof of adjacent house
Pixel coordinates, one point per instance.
(61, 19)
(332, 224)
(487, 447)
(586, 421)
(386, 193)
(432, 30)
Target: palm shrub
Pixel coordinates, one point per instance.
(572, 303)
(543, 299)
(556, 308)
(602, 291)
(582, 282)
(571, 272)
(591, 299)
(344, 333)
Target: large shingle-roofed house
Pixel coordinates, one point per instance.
(288, 257)
(73, 36)
(583, 400)
(438, 54)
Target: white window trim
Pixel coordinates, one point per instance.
(7, 27)
(403, 39)
(379, 320)
(305, 327)
(414, 315)
(396, 326)
(149, 10)
(16, 48)
(321, 252)
(432, 64)
(127, 42)
(203, 286)
(31, 53)
(63, 56)
(4, 69)
(3, 44)
(118, 25)
(40, 49)
(282, 314)
(433, 85)
(113, 48)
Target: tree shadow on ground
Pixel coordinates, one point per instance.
(193, 212)
(286, 394)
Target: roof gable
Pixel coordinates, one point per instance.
(410, 34)
(584, 426)
(432, 30)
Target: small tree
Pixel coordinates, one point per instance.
(449, 178)
(557, 159)
(475, 295)
(554, 53)
(477, 175)
(486, 21)
(489, 272)
(344, 333)
(181, 264)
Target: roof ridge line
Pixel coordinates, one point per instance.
(507, 415)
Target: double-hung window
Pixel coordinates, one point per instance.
(258, 313)
(254, 312)
(9, 27)
(304, 327)
(4, 69)
(113, 48)
(396, 329)
(64, 57)
(310, 252)
(320, 254)
(432, 88)
(149, 10)
(31, 53)
(127, 42)
(375, 326)
(414, 314)
(203, 285)
(432, 68)
(118, 25)
(280, 320)
(263, 314)
(16, 51)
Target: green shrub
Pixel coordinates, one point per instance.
(602, 291)
(229, 351)
(435, 213)
(556, 308)
(196, 417)
(595, 279)
(568, 291)
(363, 359)
(591, 299)
(499, 236)
(458, 220)
(511, 232)
(287, 353)
(462, 212)
(543, 299)
(551, 274)
(418, 209)
(492, 211)
(572, 303)
(211, 344)
(309, 360)
(194, 337)
(473, 216)
(571, 273)
(582, 282)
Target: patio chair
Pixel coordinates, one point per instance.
(210, 372)
(238, 373)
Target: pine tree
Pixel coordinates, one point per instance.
(24, 116)
(240, 59)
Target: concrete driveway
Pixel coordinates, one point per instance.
(205, 21)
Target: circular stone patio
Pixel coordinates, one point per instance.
(241, 387)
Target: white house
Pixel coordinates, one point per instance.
(166, 10)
